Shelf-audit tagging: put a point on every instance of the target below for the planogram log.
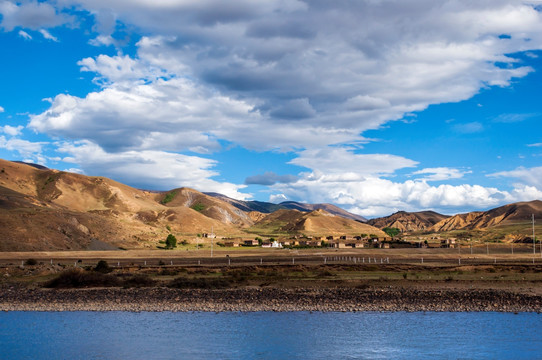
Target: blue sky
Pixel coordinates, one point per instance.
(373, 106)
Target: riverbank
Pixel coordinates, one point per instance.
(17, 298)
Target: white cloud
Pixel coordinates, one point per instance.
(374, 196)
(535, 145)
(513, 118)
(170, 115)
(355, 182)
(31, 14)
(298, 76)
(292, 75)
(12, 130)
(343, 163)
(149, 169)
(531, 176)
(469, 128)
(24, 148)
(100, 40)
(47, 35)
(1, 109)
(25, 35)
(277, 198)
(441, 173)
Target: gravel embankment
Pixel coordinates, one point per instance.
(15, 298)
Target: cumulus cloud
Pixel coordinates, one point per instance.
(531, 176)
(357, 182)
(374, 196)
(31, 15)
(306, 75)
(269, 178)
(12, 130)
(32, 151)
(166, 114)
(155, 170)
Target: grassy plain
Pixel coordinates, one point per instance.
(424, 269)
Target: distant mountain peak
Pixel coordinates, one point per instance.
(266, 207)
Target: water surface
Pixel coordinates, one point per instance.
(268, 335)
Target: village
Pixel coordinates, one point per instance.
(333, 241)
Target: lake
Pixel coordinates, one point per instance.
(269, 335)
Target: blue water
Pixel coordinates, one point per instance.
(299, 335)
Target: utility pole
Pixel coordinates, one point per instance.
(534, 242)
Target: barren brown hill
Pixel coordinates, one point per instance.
(275, 222)
(408, 221)
(207, 205)
(504, 215)
(321, 223)
(43, 209)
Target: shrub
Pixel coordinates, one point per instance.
(171, 241)
(31, 262)
(139, 281)
(77, 278)
(169, 197)
(198, 207)
(103, 267)
(198, 283)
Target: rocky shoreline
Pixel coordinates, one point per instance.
(16, 298)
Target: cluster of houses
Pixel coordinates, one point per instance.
(333, 241)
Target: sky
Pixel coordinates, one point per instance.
(375, 106)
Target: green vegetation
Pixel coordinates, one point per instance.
(199, 207)
(392, 232)
(168, 228)
(171, 241)
(169, 197)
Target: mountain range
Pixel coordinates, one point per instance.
(46, 209)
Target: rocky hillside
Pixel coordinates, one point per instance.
(409, 221)
(43, 209)
(266, 207)
(520, 212)
(321, 222)
(207, 205)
